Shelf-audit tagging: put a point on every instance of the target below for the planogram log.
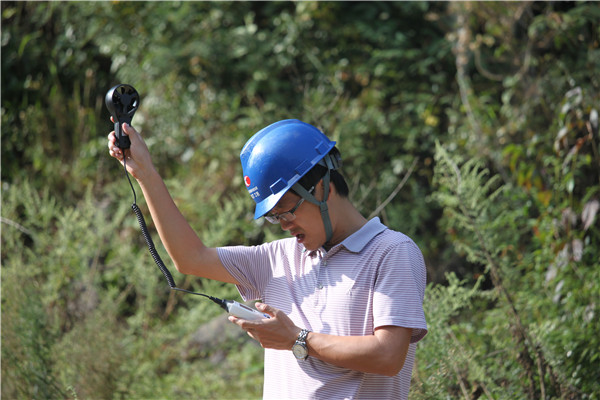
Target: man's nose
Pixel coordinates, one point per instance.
(285, 225)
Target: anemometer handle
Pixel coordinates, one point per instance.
(122, 102)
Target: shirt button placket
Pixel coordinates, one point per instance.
(319, 283)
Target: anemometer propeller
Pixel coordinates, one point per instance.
(122, 102)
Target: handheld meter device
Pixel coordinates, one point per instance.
(242, 311)
(122, 102)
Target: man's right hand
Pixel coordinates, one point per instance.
(139, 163)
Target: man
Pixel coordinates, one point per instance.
(344, 294)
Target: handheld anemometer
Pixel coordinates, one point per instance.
(122, 101)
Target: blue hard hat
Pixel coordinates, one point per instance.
(277, 156)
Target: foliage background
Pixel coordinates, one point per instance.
(472, 127)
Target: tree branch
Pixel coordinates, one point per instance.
(395, 191)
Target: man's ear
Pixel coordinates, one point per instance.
(332, 189)
(321, 188)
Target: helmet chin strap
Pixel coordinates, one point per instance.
(321, 204)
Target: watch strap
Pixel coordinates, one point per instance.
(302, 336)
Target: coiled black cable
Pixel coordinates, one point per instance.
(159, 262)
(151, 247)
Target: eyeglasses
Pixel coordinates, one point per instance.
(287, 216)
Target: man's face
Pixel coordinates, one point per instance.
(307, 227)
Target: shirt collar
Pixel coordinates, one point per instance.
(359, 239)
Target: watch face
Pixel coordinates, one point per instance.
(299, 351)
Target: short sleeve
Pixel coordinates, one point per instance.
(400, 289)
(250, 266)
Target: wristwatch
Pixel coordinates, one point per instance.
(299, 348)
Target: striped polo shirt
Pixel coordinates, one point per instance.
(376, 277)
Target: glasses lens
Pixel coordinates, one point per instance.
(287, 216)
(274, 219)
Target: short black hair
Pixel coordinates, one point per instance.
(316, 173)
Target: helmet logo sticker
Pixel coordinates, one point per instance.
(247, 180)
(254, 193)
